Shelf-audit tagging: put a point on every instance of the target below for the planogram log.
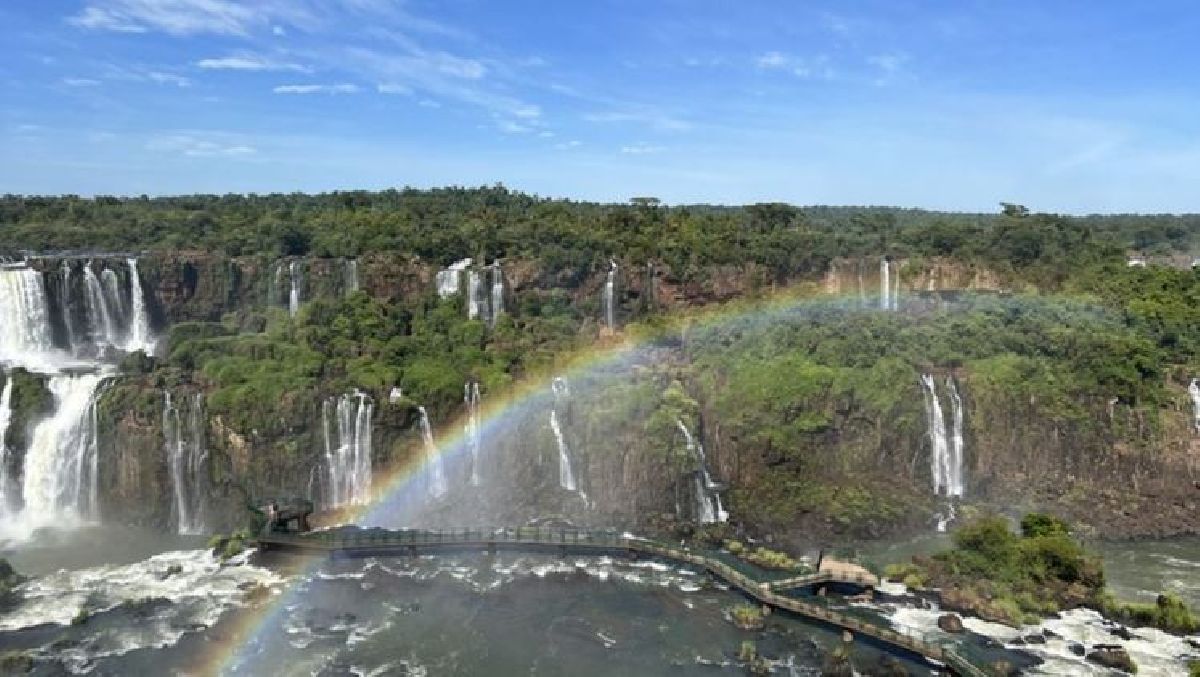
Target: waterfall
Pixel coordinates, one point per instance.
(437, 479)
(471, 399)
(609, 288)
(25, 336)
(1194, 391)
(946, 449)
(497, 292)
(112, 291)
(103, 328)
(275, 286)
(708, 501)
(7, 502)
(885, 284)
(566, 478)
(187, 458)
(895, 295)
(64, 302)
(351, 276)
(60, 464)
(448, 278)
(140, 337)
(294, 292)
(474, 287)
(348, 461)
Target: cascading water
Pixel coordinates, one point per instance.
(6, 482)
(609, 292)
(497, 292)
(566, 478)
(64, 302)
(1194, 391)
(294, 290)
(112, 291)
(25, 336)
(437, 476)
(474, 288)
(708, 501)
(140, 335)
(187, 458)
(60, 464)
(348, 455)
(946, 449)
(471, 398)
(103, 328)
(351, 276)
(448, 279)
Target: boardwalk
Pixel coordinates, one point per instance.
(382, 542)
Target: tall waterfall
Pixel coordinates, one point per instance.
(25, 335)
(294, 274)
(103, 326)
(946, 448)
(474, 288)
(889, 286)
(471, 399)
(609, 292)
(346, 423)
(448, 278)
(187, 458)
(437, 477)
(351, 276)
(497, 292)
(6, 481)
(64, 302)
(708, 501)
(60, 464)
(112, 291)
(566, 477)
(140, 337)
(1194, 391)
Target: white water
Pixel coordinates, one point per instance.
(471, 398)
(112, 291)
(6, 482)
(474, 285)
(885, 284)
(60, 479)
(351, 276)
(25, 336)
(497, 292)
(946, 445)
(103, 327)
(566, 478)
(140, 336)
(348, 459)
(1194, 391)
(437, 475)
(294, 291)
(448, 279)
(64, 302)
(708, 501)
(609, 292)
(187, 458)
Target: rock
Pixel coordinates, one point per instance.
(1035, 639)
(15, 663)
(173, 570)
(889, 666)
(1077, 649)
(1193, 642)
(1122, 632)
(1050, 634)
(1003, 668)
(950, 623)
(1112, 656)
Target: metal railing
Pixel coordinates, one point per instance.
(374, 540)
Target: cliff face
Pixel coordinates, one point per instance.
(871, 462)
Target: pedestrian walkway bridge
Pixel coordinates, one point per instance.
(355, 542)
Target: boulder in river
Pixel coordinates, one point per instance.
(1112, 656)
(950, 623)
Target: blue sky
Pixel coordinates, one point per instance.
(1063, 106)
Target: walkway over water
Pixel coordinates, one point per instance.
(356, 542)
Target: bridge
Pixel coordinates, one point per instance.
(355, 542)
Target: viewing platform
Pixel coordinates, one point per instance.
(356, 542)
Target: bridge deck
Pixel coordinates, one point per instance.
(365, 542)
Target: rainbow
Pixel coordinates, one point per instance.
(404, 484)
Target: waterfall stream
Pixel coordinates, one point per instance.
(885, 284)
(946, 444)
(60, 464)
(437, 476)
(351, 276)
(187, 458)
(6, 482)
(346, 424)
(294, 281)
(566, 477)
(474, 288)
(708, 501)
(140, 337)
(471, 398)
(448, 279)
(1194, 391)
(497, 293)
(609, 292)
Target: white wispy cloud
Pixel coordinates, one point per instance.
(892, 67)
(246, 61)
(429, 103)
(568, 145)
(641, 149)
(772, 60)
(191, 145)
(655, 119)
(510, 127)
(802, 67)
(392, 88)
(80, 82)
(178, 17)
(168, 79)
(338, 88)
